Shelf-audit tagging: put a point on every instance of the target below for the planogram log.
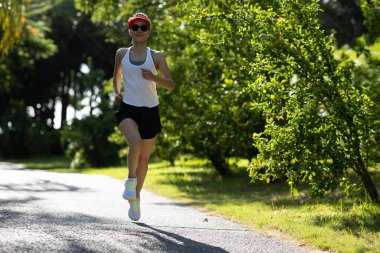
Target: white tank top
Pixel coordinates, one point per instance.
(137, 90)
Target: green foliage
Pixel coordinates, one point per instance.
(20, 19)
(318, 121)
(42, 72)
(39, 47)
(86, 142)
(12, 20)
(24, 136)
(371, 12)
(168, 145)
(366, 64)
(210, 105)
(117, 138)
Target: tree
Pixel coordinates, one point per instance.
(43, 69)
(79, 41)
(318, 121)
(26, 117)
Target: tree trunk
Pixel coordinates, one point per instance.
(65, 97)
(172, 161)
(362, 171)
(219, 163)
(360, 167)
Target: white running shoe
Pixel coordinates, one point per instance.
(130, 189)
(134, 212)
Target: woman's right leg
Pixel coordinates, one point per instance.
(129, 129)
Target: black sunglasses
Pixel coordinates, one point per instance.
(135, 28)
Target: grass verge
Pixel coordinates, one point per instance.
(334, 223)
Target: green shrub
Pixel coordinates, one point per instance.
(86, 141)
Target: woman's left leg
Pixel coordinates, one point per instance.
(142, 167)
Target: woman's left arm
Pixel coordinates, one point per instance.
(166, 81)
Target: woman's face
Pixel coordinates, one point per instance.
(139, 31)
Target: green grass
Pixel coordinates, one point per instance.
(334, 224)
(45, 163)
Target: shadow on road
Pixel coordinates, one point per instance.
(40, 186)
(171, 242)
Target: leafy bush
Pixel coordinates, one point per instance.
(319, 123)
(86, 141)
(23, 136)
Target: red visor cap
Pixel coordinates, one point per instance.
(139, 16)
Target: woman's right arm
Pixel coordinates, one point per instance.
(117, 75)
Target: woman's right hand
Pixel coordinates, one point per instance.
(118, 98)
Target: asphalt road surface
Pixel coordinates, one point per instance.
(58, 212)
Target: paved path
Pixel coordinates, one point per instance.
(57, 212)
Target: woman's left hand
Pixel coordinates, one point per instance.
(147, 74)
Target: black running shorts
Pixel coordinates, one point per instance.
(147, 119)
